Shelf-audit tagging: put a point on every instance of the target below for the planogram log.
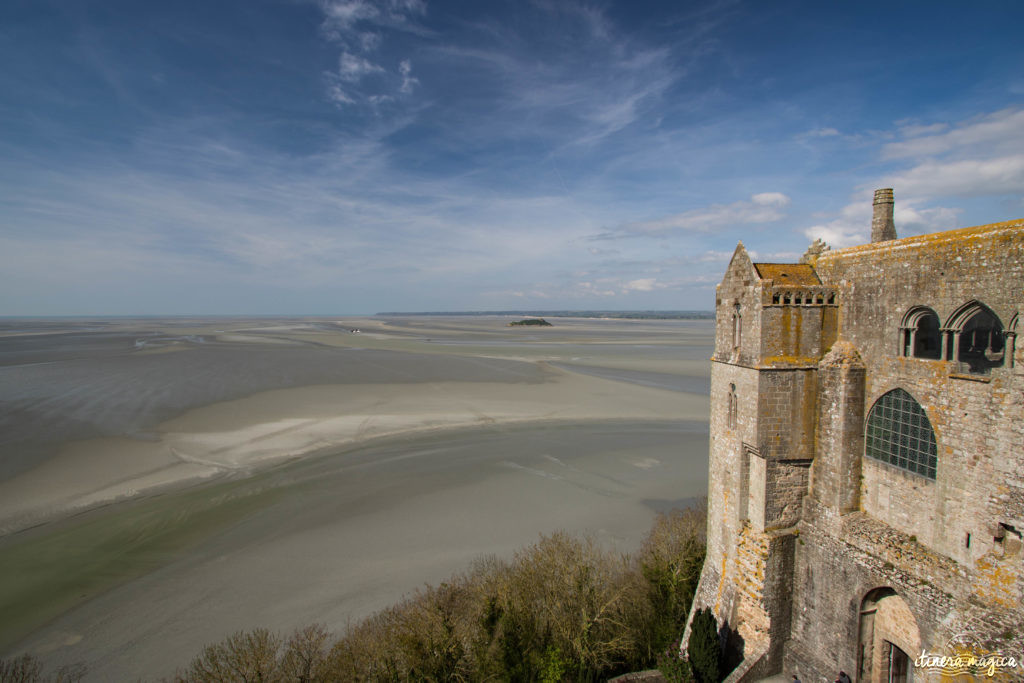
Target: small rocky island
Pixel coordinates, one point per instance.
(536, 322)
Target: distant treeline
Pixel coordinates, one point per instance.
(563, 609)
(644, 315)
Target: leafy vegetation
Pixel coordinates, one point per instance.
(561, 609)
(28, 669)
(705, 653)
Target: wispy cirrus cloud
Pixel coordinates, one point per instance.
(997, 130)
(765, 207)
(607, 83)
(932, 163)
(344, 17)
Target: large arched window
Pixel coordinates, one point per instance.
(920, 334)
(900, 433)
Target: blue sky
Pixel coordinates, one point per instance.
(353, 156)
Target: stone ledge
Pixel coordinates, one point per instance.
(970, 378)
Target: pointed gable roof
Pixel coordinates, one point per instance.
(740, 265)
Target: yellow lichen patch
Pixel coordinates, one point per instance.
(996, 584)
(797, 274)
(789, 360)
(962, 238)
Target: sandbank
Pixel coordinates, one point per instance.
(236, 437)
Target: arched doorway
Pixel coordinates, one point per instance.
(888, 638)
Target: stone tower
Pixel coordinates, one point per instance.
(774, 323)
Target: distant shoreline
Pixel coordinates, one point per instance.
(619, 315)
(206, 317)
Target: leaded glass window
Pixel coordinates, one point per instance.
(900, 433)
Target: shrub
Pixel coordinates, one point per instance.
(561, 609)
(246, 656)
(28, 669)
(305, 655)
(670, 561)
(703, 650)
(673, 666)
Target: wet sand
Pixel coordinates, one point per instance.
(307, 473)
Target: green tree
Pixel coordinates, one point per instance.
(670, 561)
(703, 650)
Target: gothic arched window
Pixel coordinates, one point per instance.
(920, 331)
(899, 433)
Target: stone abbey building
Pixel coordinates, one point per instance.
(866, 485)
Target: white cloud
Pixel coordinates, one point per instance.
(352, 68)
(821, 133)
(980, 157)
(773, 256)
(914, 130)
(776, 199)
(853, 226)
(408, 81)
(340, 15)
(357, 25)
(1001, 130)
(646, 284)
(962, 178)
(765, 207)
(715, 256)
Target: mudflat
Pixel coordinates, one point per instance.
(164, 483)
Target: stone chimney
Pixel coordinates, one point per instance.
(882, 227)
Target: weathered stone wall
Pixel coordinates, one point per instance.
(792, 334)
(785, 489)
(786, 410)
(834, 573)
(977, 418)
(812, 544)
(878, 283)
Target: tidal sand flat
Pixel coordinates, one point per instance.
(352, 469)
